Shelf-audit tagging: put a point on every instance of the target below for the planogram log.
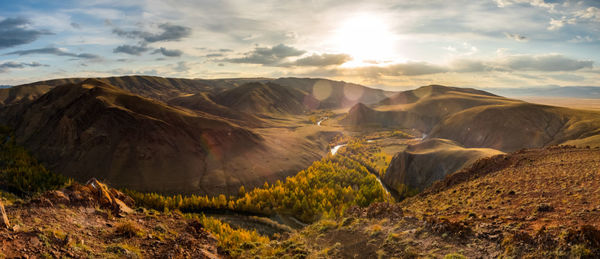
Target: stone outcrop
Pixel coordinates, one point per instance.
(93, 193)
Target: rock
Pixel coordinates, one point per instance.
(4, 223)
(57, 197)
(120, 207)
(104, 196)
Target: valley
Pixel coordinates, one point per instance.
(274, 167)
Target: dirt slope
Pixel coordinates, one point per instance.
(553, 188)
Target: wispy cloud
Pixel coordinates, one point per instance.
(53, 51)
(517, 37)
(131, 49)
(168, 52)
(267, 55)
(169, 32)
(14, 32)
(4, 67)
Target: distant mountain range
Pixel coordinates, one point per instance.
(588, 92)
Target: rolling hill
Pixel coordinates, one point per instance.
(264, 98)
(202, 102)
(93, 129)
(463, 115)
(412, 168)
(332, 94)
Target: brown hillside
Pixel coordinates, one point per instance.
(475, 118)
(264, 98)
(555, 188)
(420, 165)
(424, 107)
(514, 126)
(154, 87)
(92, 129)
(201, 102)
(361, 115)
(21, 93)
(429, 91)
(329, 94)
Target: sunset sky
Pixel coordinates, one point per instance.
(388, 44)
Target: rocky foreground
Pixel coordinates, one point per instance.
(94, 220)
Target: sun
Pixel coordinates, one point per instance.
(366, 38)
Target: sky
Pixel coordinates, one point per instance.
(391, 45)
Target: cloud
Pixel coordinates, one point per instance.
(272, 56)
(214, 55)
(168, 52)
(543, 63)
(53, 51)
(14, 32)
(579, 39)
(547, 63)
(592, 13)
(182, 66)
(398, 69)
(131, 49)
(4, 67)
(514, 63)
(557, 24)
(75, 25)
(169, 32)
(517, 37)
(536, 3)
(321, 60)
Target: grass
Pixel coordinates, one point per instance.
(128, 229)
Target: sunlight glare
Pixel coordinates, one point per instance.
(365, 38)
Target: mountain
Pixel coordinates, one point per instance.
(421, 108)
(475, 118)
(24, 92)
(430, 91)
(158, 88)
(517, 125)
(331, 94)
(361, 115)
(93, 129)
(412, 168)
(202, 102)
(267, 97)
